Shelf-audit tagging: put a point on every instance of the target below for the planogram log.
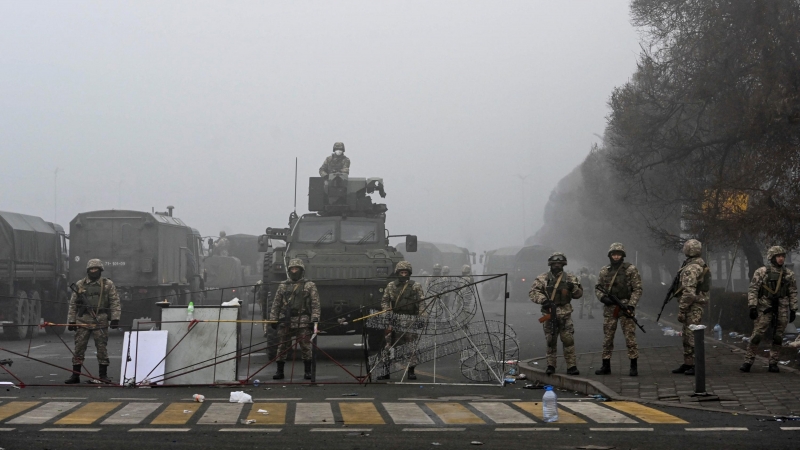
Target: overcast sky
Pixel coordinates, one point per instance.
(205, 105)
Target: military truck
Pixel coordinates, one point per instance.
(344, 245)
(430, 253)
(150, 256)
(522, 264)
(33, 274)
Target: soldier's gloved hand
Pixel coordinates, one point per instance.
(681, 316)
(792, 315)
(570, 286)
(72, 326)
(547, 304)
(753, 313)
(606, 300)
(274, 326)
(114, 324)
(630, 310)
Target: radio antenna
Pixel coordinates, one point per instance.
(295, 185)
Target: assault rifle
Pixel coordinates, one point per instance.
(6, 362)
(80, 299)
(674, 290)
(620, 308)
(551, 317)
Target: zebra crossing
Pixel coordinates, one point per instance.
(154, 415)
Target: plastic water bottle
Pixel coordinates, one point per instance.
(190, 312)
(550, 405)
(718, 332)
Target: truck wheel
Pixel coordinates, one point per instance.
(34, 313)
(19, 316)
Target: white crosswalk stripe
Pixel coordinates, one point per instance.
(221, 414)
(313, 414)
(132, 414)
(501, 412)
(42, 414)
(598, 413)
(407, 414)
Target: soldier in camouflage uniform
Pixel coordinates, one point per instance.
(466, 273)
(623, 281)
(772, 296)
(336, 163)
(589, 280)
(695, 284)
(437, 272)
(403, 296)
(557, 288)
(296, 307)
(89, 316)
(223, 245)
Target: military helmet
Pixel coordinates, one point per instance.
(92, 263)
(557, 257)
(617, 247)
(774, 251)
(692, 248)
(296, 262)
(338, 146)
(466, 269)
(445, 270)
(437, 266)
(403, 265)
(222, 234)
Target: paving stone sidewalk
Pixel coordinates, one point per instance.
(758, 391)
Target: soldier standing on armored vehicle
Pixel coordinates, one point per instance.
(402, 296)
(695, 282)
(588, 279)
(296, 306)
(335, 163)
(222, 246)
(621, 280)
(554, 290)
(772, 298)
(90, 307)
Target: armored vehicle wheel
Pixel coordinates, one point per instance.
(61, 308)
(18, 309)
(34, 313)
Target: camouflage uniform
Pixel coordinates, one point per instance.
(403, 297)
(335, 163)
(222, 245)
(102, 299)
(627, 286)
(695, 284)
(589, 280)
(300, 300)
(542, 291)
(437, 272)
(779, 283)
(466, 273)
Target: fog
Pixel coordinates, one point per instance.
(205, 105)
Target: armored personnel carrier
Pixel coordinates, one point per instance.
(344, 245)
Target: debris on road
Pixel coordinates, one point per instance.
(199, 398)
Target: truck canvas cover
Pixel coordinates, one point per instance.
(29, 242)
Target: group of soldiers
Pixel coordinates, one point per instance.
(772, 301)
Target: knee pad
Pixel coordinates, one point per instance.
(569, 341)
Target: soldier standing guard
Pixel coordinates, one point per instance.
(89, 311)
(695, 284)
(623, 281)
(403, 296)
(223, 245)
(296, 307)
(772, 298)
(555, 290)
(335, 163)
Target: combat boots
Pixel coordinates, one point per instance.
(745, 367)
(279, 374)
(683, 368)
(634, 368)
(605, 369)
(550, 370)
(307, 370)
(75, 378)
(773, 367)
(573, 371)
(104, 374)
(411, 375)
(689, 371)
(388, 373)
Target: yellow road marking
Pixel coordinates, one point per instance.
(276, 416)
(360, 413)
(454, 413)
(535, 408)
(645, 413)
(13, 408)
(173, 414)
(89, 413)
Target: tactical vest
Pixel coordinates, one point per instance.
(620, 289)
(558, 299)
(299, 300)
(96, 297)
(771, 282)
(704, 282)
(406, 302)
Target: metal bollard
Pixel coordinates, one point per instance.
(699, 361)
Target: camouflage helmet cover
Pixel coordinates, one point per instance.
(92, 263)
(437, 266)
(222, 234)
(692, 248)
(445, 270)
(466, 269)
(617, 247)
(774, 251)
(403, 265)
(296, 262)
(338, 146)
(557, 257)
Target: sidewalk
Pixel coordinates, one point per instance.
(756, 392)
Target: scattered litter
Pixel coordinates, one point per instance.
(599, 397)
(262, 411)
(669, 331)
(39, 376)
(794, 344)
(476, 443)
(240, 397)
(694, 327)
(247, 421)
(358, 345)
(781, 419)
(187, 411)
(783, 363)
(435, 443)
(745, 339)
(351, 394)
(233, 302)
(199, 398)
(522, 376)
(734, 334)
(535, 385)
